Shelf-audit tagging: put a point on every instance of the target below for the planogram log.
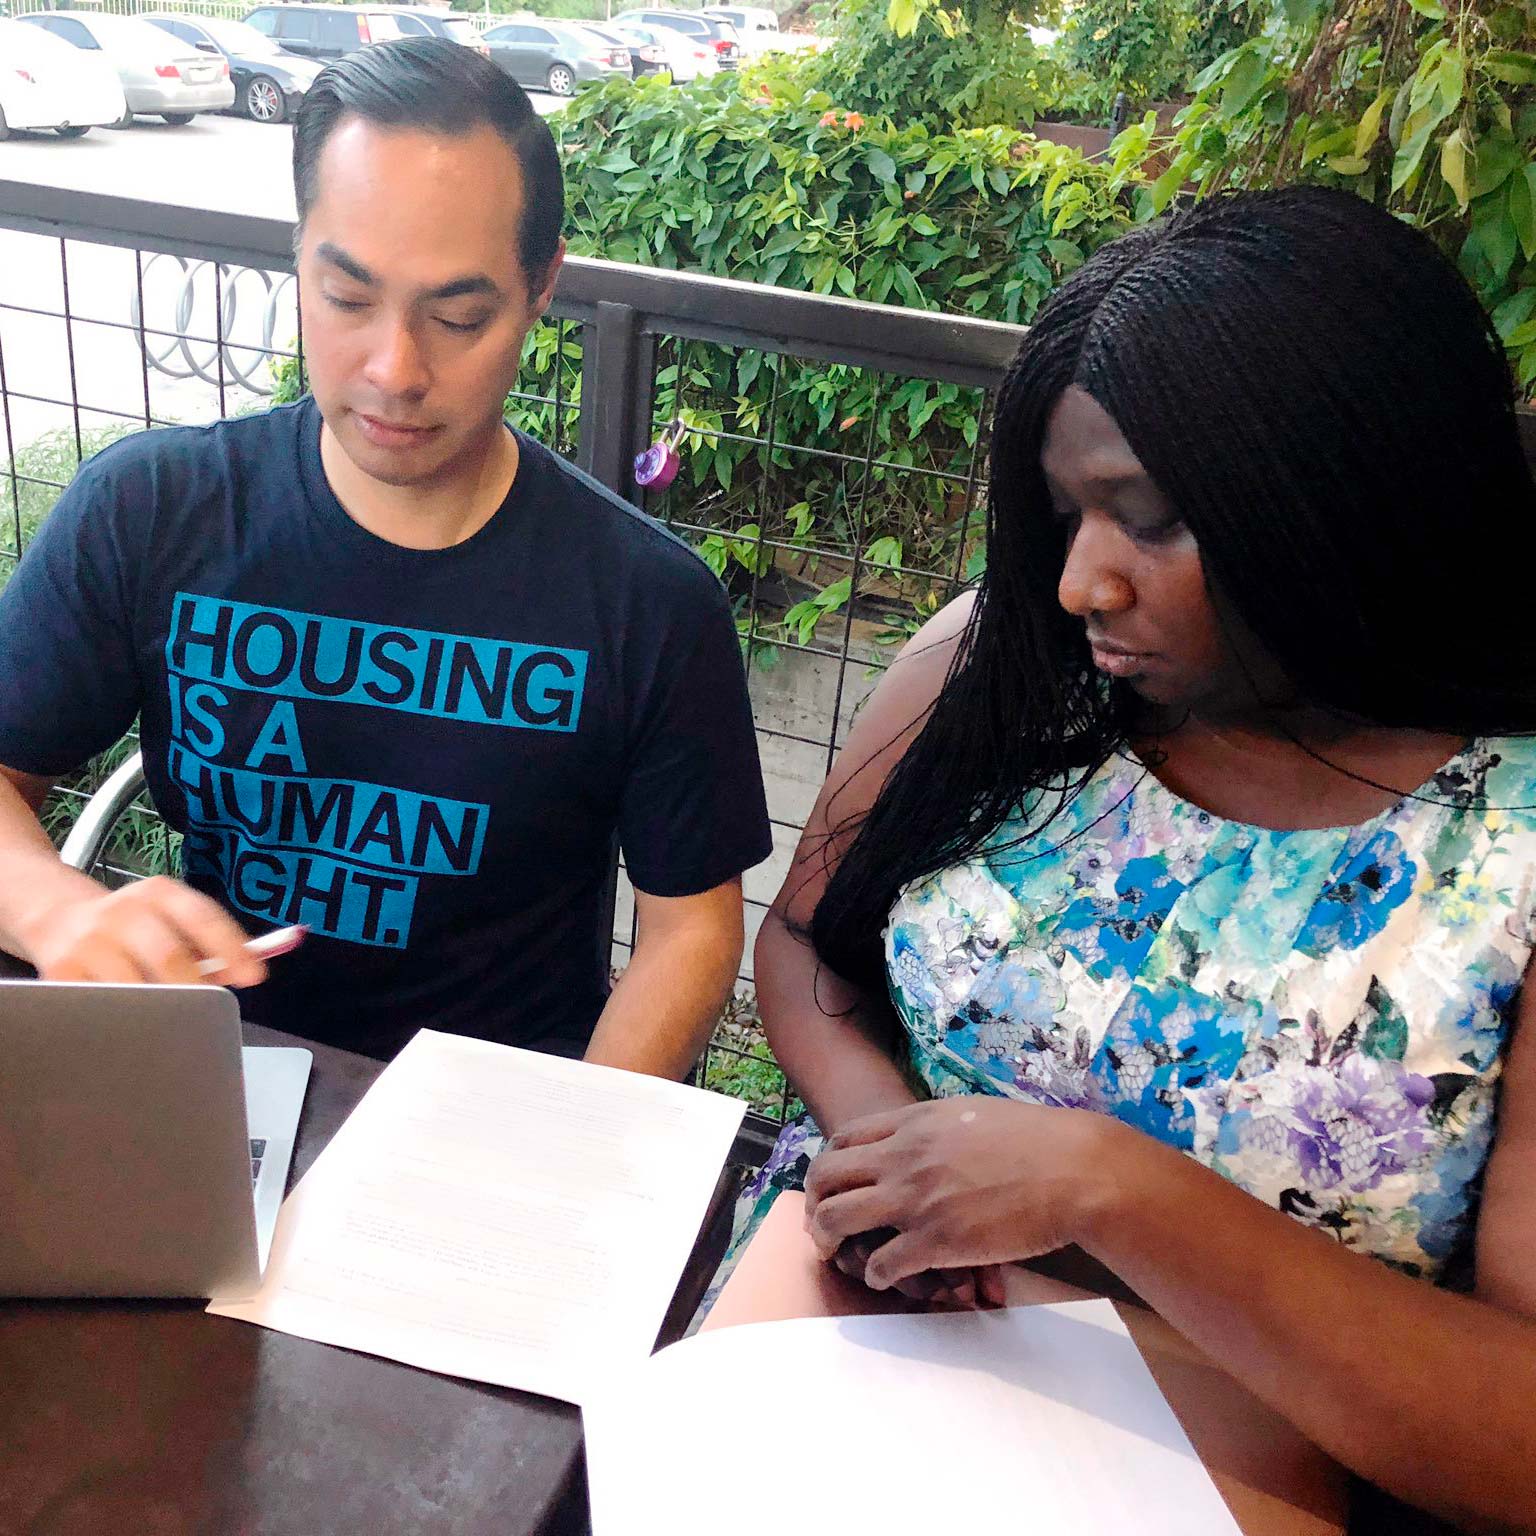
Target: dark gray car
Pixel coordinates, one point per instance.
(327, 32)
(548, 56)
(324, 32)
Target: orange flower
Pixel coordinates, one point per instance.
(827, 120)
(908, 196)
(852, 120)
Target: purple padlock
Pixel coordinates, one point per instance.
(657, 467)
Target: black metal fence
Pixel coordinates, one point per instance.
(834, 450)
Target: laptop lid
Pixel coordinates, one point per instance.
(124, 1158)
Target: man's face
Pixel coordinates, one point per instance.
(413, 296)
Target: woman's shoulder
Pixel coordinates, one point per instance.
(924, 663)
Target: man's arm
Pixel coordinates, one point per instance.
(687, 953)
(73, 929)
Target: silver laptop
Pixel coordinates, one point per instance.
(143, 1152)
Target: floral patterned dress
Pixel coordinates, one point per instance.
(1319, 1016)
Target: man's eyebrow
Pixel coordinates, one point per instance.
(465, 287)
(339, 258)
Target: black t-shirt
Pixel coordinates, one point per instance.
(425, 755)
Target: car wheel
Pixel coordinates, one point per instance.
(178, 119)
(74, 131)
(561, 81)
(264, 101)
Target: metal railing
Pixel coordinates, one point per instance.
(226, 10)
(160, 314)
(182, 315)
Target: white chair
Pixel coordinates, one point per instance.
(93, 827)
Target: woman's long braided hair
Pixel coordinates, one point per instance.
(1317, 391)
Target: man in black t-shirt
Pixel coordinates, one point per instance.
(402, 674)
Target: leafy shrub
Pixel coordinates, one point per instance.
(765, 180)
(1427, 107)
(948, 72)
(1141, 47)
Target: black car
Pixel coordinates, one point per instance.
(327, 32)
(269, 84)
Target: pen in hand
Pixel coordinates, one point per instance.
(279, 942)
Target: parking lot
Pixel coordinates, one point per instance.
(217, 162)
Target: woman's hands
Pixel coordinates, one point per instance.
(965, 1183)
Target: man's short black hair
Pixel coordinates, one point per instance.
(442, 87)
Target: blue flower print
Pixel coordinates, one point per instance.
(1161, 1046)
(1114, 934)
(1356, 903)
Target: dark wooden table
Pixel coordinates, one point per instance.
(154, 1419)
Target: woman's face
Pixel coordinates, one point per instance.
(1133, 573)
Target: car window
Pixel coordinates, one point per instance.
(33, 42)
(684, 24)
(301, 26)
(73, 31)
(412, 26)
(539, 35)
(458, 29)
(338, 30)
(382, 26)
(264, 22)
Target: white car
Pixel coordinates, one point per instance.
(684, 58)
(44, 83)
(159, 74)
(757, 29)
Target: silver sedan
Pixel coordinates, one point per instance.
(160, 75)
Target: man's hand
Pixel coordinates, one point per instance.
(154, 930)
(965, 1182)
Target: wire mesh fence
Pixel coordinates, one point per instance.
(832, 461)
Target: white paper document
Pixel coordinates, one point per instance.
(1040, 1419)
(498, 1214)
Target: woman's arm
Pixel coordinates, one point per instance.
(832, 1039)
(1428, 1394)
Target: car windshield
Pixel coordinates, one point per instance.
(236, 37)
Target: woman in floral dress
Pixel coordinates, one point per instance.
(1173, 894)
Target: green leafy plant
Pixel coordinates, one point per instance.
(765, 179)
(960, 67)
(1141, 47)
(1427, 107)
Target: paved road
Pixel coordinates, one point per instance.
(225, 163)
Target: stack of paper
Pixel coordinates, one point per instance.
(497, 1214)
(1039, 1419)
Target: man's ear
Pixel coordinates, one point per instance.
(552, 276)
